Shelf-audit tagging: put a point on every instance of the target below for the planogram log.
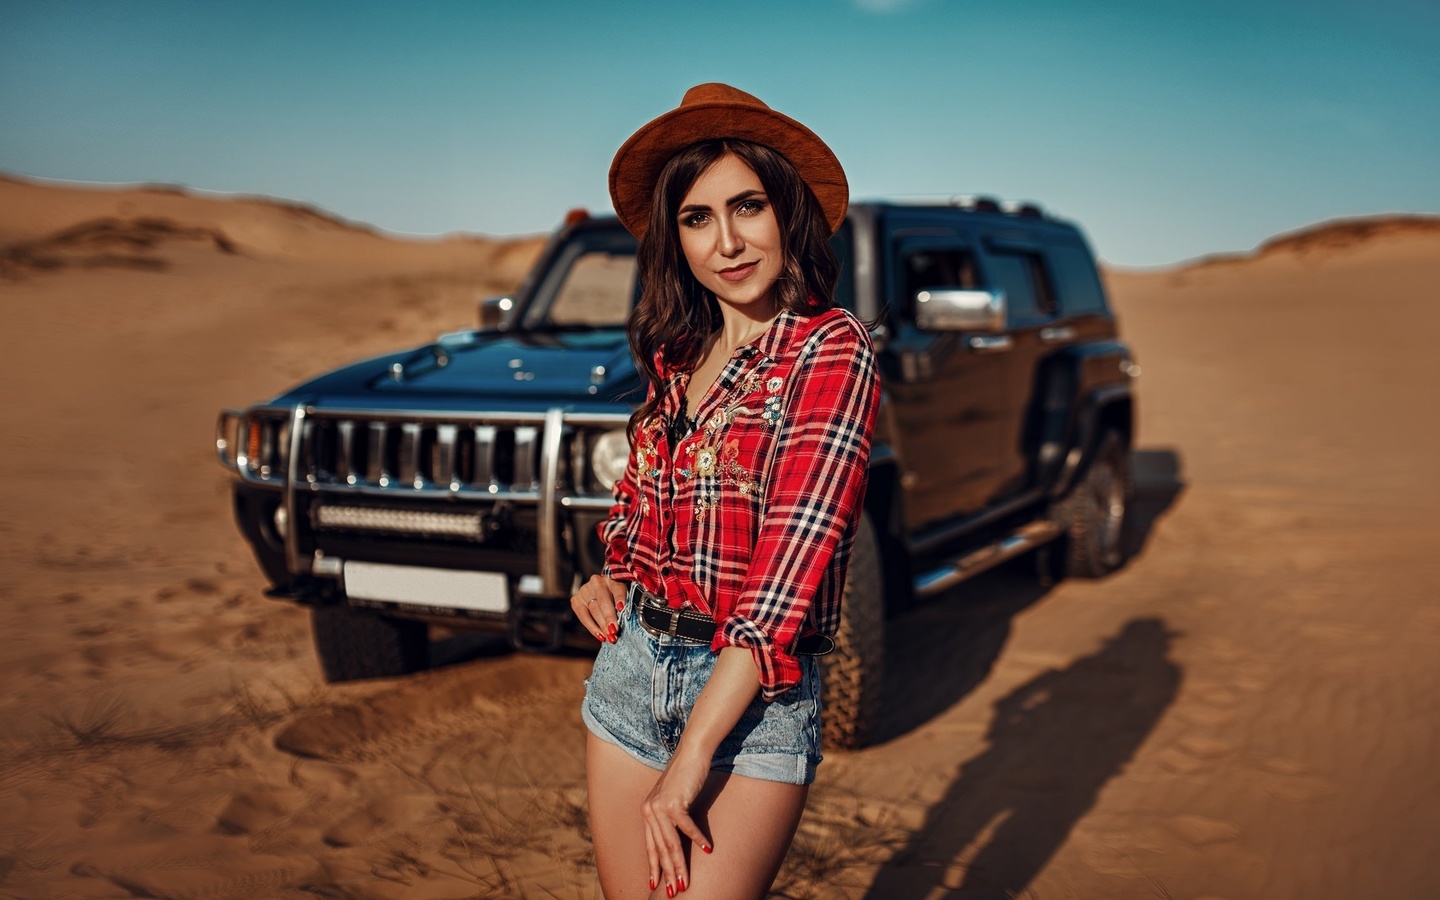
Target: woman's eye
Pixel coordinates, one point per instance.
(751, 207)
(694, 220)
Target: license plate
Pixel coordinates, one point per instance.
(421, 586)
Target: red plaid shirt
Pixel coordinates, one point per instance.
(751, 517)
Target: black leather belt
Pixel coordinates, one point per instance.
(659, 618)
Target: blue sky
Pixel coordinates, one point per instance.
(1167, 130)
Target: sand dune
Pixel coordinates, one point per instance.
(1243, 712)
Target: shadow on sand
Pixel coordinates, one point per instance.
(1053, 744)
(962, 632)
(1054, 741)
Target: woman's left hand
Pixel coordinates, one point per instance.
(667, 815)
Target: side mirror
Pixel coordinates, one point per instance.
(958, 309)
(495, 312)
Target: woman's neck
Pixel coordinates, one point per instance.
(739, 327)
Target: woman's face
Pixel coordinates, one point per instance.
(730, 237)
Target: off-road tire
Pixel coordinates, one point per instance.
(855, 670)
(353, 644)
(1094, 515)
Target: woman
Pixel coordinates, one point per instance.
(727, 547)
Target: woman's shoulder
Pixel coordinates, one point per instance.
(835, 326)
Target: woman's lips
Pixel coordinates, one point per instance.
(739, 272)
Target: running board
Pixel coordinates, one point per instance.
(1027, 537)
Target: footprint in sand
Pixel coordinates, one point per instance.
(251, 812)
(1289, 779)
(1207, 706)
(377, 819)
(1202, 831)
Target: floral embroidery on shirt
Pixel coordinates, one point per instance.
(645, 454)
(705, 461)
(773, 403)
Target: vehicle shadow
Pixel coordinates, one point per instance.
(1053, 744)
(937, 653)
(962, 632)
(1158, 484)
(451, 647)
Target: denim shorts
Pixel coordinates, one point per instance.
(643, 686)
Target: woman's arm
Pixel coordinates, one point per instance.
(732, 686)
(813, 492)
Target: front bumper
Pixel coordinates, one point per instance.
(494, 492)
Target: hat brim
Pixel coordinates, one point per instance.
(639, 161)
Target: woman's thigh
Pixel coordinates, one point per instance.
(618, 785)
(752, 823)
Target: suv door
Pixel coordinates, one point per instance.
(944, 393)
(1017, 265)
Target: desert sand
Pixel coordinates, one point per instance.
(1246, 711)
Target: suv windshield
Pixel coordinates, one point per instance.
(591, 284)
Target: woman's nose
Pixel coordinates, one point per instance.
(731, 243)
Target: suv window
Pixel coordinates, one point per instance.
(1075, 276)
(1027, 287)
(932, 267)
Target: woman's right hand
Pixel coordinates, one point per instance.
(596, 605)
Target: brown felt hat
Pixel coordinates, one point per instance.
(708, 112)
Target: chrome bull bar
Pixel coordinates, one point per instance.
(249, 442)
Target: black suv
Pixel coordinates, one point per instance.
(461, 482)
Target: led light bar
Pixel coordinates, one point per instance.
(463, 525)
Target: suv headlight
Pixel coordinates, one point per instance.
(608, 457)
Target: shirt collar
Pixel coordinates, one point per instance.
(776, 340)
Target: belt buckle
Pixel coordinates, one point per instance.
(674, 621)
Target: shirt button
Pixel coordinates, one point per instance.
(665, 570)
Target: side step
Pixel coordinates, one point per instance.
(1027, 537)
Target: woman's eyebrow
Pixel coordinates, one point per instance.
(743, 195)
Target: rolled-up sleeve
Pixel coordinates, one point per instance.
(813, 490)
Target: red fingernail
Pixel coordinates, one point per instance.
(599, 637)
(652, 884)
(612, 627)
(620, 607)
(681, 882)
(670, 890)
(707, 848)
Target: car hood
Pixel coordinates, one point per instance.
(524, 366)
(564, 364)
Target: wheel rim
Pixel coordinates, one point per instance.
(1110, 505)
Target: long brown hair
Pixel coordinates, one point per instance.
(678, 316)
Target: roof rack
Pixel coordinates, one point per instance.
(1022, 208)
(980, 203)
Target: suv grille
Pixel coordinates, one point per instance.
(498, 456)
(421, 456)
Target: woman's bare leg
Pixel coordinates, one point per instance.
(752, 823)
(750, 820)
(618, 785)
